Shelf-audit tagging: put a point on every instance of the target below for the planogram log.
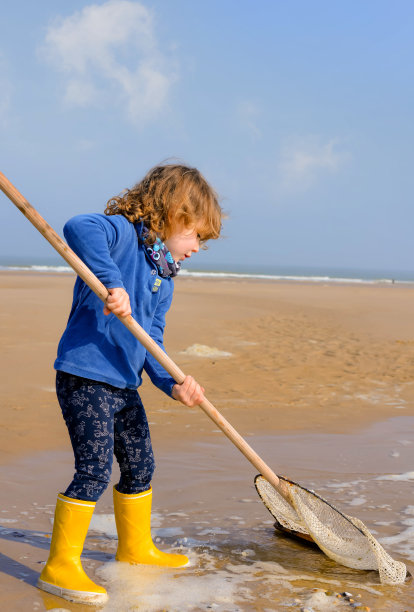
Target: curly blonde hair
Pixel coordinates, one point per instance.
(171, 196)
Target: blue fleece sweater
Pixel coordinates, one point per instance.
(100, 347)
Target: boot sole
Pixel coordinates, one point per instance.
(85, 597)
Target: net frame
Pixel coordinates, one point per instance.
(342, 538)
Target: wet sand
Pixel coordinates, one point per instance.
(319, 381)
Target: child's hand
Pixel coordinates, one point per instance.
(117, 302)
(189, 393)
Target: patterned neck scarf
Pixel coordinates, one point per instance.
(160, 255)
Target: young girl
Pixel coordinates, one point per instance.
(135, 249)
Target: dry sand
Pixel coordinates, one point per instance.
(307, 360)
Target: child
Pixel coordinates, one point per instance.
(135, 250)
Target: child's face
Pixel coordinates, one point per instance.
(182, 243)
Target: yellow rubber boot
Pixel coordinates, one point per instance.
(133, 524)
(63, 573)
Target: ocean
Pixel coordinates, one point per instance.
(240, 271)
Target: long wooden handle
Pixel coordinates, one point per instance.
(97, 287)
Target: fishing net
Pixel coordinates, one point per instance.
(343, 538)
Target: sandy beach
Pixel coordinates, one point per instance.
(317, 377)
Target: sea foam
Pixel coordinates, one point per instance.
(407, 476)
(403, 542)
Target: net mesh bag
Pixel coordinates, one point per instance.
(343, 538)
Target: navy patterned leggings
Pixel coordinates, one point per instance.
(102, 421)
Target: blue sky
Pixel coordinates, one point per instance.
(300, 113)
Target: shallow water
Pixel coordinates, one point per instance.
(205, 504)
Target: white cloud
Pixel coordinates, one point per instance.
(303, 162)
(109, 55)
